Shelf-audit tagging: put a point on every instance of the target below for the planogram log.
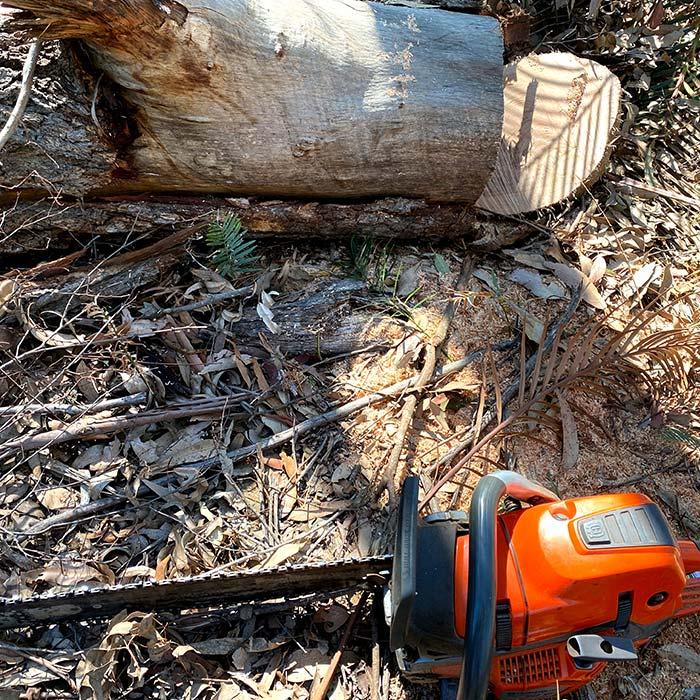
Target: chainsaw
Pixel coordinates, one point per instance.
(528, 601)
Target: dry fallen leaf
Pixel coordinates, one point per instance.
(273, 463)
(230, 691)
(186, 450)
(332, 617)
(574, 279)
(303, 665)
(598, 269)
(314, 511)
(162, 567)
(289, 464)
(529, 258)
(213, 281)
(7, 289)
(569, 432)
(59, 498)
(281, 554)
(137, 572)
(364, 538)
(240, 659)
(532, 280)
(69, 573)
(265, 312)
(408, 282)
(532, 325)
(641, 279)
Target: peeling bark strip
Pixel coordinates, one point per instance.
(302, 98)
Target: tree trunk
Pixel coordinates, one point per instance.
(302, 98)
(307, 118)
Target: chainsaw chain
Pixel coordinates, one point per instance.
(211, 591)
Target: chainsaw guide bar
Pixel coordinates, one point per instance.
(194, 592)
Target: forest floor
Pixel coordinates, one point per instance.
(145, 402)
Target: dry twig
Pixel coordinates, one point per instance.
(24, 93)
(80, 430)
(336, 414)
(432, 349)
(320, 692)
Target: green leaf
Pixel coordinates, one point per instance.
(673, 434)
(441, 264)
(233, 254)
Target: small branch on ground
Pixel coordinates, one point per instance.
(432, 349)
(70, 409)
(321, 690)
(80, 430)
(337, 414)
(210, 300)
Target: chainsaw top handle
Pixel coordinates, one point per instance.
(481, 591)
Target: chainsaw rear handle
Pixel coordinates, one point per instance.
(481, 591)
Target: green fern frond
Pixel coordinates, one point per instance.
(233, 255)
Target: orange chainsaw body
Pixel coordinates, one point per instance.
(604, 565)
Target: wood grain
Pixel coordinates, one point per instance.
(560, 115)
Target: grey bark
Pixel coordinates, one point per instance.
(326, 318)
(56, 148)
(330, 320)
(312, 98)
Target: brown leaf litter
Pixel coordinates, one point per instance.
(139, 391)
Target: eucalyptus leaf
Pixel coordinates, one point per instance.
(441, 264)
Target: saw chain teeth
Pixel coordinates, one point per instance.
(216, 589)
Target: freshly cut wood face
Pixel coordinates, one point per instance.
(560, 113)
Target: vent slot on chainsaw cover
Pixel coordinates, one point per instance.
(624, 611)
(504, 627)
(530, 667)
(690, 600)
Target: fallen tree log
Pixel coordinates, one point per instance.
(120, 147)
(304, 98)
(328, 317)
(29, 226)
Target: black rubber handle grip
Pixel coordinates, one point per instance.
(481, 593)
